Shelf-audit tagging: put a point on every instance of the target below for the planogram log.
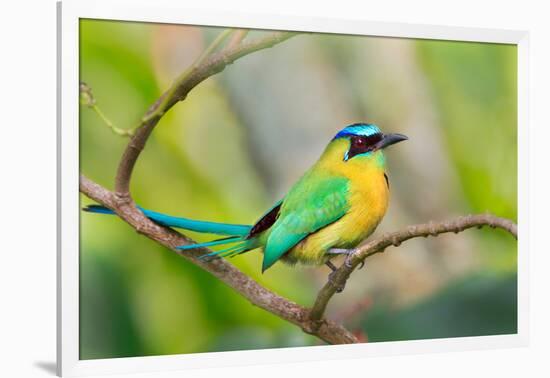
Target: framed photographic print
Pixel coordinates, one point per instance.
(228, 183)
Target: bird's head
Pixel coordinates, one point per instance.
(363, 142)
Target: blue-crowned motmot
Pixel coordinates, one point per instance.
(336, 204)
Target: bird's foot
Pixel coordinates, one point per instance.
(349, 255)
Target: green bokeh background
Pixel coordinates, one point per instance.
(238, 142)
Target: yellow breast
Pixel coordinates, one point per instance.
(369, 195)
(368, 200)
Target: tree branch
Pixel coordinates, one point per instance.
(213, 46)
(236, 38)
(326, 330)
(341, 275)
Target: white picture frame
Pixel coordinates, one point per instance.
(69, 13)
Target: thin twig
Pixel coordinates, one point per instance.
(238, 36)
(213, 46)
(87, 99)
(341, 275)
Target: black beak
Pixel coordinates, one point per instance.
(390, 139)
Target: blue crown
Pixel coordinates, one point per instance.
(358, 129)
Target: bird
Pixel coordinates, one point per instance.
(337, 203)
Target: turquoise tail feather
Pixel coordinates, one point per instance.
(184, 223)
(212, 243)
(241, 247)
(238, 233)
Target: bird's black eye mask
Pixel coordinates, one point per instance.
(360, 144)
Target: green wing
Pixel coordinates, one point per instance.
(313, 203)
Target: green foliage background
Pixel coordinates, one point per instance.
(238, 142)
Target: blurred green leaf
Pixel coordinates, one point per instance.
(475, 306)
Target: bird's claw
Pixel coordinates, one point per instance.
(349, 264)
(347, 261)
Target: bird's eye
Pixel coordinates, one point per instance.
(360, 144)
(359, 141)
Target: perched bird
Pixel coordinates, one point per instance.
(335, 205)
